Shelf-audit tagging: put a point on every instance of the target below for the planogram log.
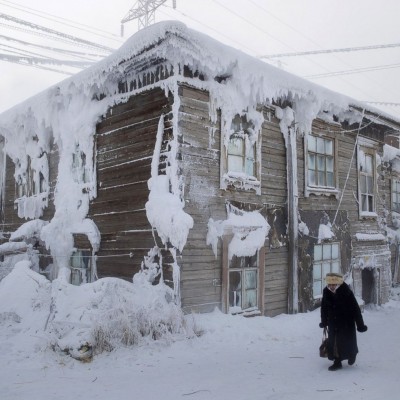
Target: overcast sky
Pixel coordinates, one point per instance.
(257, 27)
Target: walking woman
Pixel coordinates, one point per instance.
(341, 314)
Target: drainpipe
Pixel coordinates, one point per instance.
(292, 188)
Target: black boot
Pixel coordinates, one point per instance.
(337, 364)
(351, 360)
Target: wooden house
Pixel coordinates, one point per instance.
(236, 183)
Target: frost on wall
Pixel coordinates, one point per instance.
(325, 228)
(164, 209)
(249, 230)
(65, 118)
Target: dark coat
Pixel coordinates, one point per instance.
(341, 313)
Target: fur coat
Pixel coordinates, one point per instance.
(341, 313)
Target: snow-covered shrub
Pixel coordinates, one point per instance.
(129, 327)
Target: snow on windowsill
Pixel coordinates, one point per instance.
(13, 247)
(368, 214)
(32, 207)
(370, 237)
(248, 312)
(240, 181)
(321, 191)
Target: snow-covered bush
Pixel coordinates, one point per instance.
(92, 318)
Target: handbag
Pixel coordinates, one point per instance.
(323, 348)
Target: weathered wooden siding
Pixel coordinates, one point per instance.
(125, 141)
(274, 197)
(10, 220)
(200, 153)
(201, 274)
(346, 212)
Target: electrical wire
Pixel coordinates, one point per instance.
(17, 60)
(60, 20)
(353, 71)
(208, 27)
(49, 48)
(55, 32)
(41, 34)
(331, 51)
(252, 24)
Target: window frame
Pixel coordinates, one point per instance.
(367, 147)
(79, 168)
(260, 283)
(395, 181)
(81, 274)
(315, 188)
(320, 262)
(31, 187)
(241, 130)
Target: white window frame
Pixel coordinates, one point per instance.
(324, 264)
(248, 144)
(314, 187)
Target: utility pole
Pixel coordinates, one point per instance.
(144, 11)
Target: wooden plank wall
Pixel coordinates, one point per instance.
(201, 277)
(11, 222)
(347, 171)
(274, 196)
(125, 141)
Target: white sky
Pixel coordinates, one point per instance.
(257, 27)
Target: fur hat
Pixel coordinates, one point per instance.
(332, 278)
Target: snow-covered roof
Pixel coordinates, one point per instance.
(173, 42)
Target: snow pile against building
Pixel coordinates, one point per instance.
(89, 319)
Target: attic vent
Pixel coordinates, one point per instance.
(222, 78)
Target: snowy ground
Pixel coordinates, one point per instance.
(235, 357)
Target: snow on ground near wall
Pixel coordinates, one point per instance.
(235, 358)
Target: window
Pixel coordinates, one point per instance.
(366, 162)
(240, 168)
(33, 181)
(396, 195)
(81, 267)
(242, 148)
(320, 157)
(320, 168)
(243, 287)
(79, 168)
(326, 259)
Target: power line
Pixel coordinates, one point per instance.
(383, 103)
(330, 51)
(56, 33)
(60, 20)
(26, 63)
(44, 60)
(251, 23)
(208, 27)
(49, 48)
(353, 71)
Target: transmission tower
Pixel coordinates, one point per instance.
(144, 11)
